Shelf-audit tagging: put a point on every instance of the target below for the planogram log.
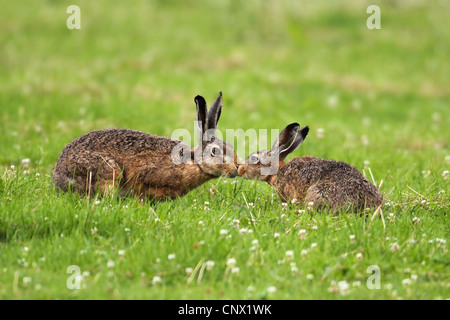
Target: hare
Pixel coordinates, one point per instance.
(145, 165)
(327, 184)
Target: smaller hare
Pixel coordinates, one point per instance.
(328, 184)
(146, 165)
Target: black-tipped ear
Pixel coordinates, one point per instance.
(289, 140)
(215, 112)
(201, 112)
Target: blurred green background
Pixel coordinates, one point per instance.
(374, 95)
(372, 98)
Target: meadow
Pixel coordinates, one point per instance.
(376, 99)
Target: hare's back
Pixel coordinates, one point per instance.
(123, 141)
(311, 169)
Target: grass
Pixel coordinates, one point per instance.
(379, 96)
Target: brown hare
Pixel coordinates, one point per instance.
(321, 183)
(145, 165)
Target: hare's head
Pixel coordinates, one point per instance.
(261, 165)
(214, 157)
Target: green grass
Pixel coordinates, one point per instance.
(380, 96)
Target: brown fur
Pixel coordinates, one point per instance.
(137, 163)
(328, 184)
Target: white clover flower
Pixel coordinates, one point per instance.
(389, 286)
(97, 202)
(304, 252)
(356, 284)
(319, 133)
(156, 280)
(231, 262)
(352, 238)
(171, 256)
(289, 255)
(110, 264)
(313, 245)
(121, 252)
(294, 269)
(302, 234)
(255, 242)
(359, 256)
(314, 228)
(223, 232)
(26, 280)
(276, 235)
(209, 265)
(343, 287)
(445, 174)
(271, 289)
(395, 246)
(243, 230)
(250, 288)
(364, 140)
(189, 270)
(310, 276)
(406, 282)
(416, 220)
(235, 270)
(333, 101)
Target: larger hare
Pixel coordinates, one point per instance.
(327, 184)
(145, 165)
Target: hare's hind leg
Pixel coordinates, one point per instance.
(109, 176)
(315, 196)
(87, 175)
(323, 195)
(332, 196)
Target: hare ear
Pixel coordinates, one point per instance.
(289, 140)
(214, 112)
(201, 113)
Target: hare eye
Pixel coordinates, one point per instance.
(215, 151)
(253, 159)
